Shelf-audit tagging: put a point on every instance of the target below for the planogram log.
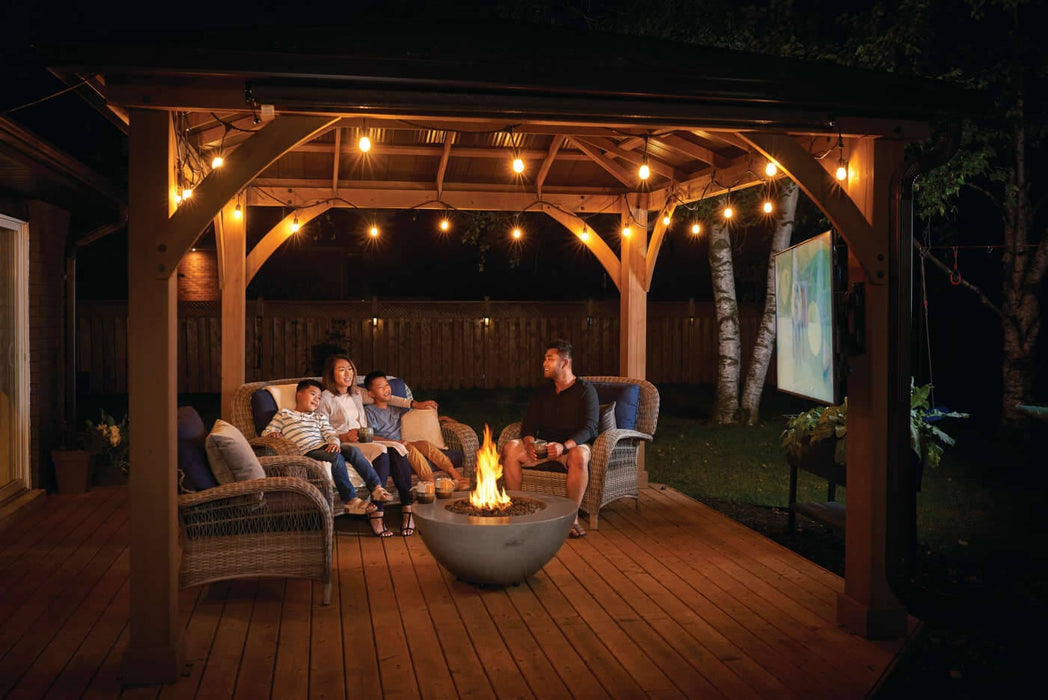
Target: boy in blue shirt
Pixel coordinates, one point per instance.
(385, 420)
(313, 435)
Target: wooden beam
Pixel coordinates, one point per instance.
(822, 188)
(711, 183)
(366, 196)
(554, 147)
(337, 155)
(449, 139)
(656, 165)
(657, 235)
(276, 237)
(731, 138)
(622, 175)
(221, 185)
(692, 150)
(589, 238)
(424, 151)
(155, 648)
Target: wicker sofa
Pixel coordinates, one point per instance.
(279, 526)
(613, 465)
(461, 439)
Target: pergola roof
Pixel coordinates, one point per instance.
(582, 110)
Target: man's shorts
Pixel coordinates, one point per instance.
(559, 464)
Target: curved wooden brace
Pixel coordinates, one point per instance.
(830, 197)
(595, 244)
(222, 184)
(657, 234)
(276, 236)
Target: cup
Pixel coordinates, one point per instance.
(541, 451)
(365, 434)
(424, 492)
(444, 487)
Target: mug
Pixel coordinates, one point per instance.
(365, 434)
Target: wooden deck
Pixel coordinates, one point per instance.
(673, 600)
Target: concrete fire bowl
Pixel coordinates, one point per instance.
(495, 550)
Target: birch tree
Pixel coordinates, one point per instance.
(765, 341)
(722, 272)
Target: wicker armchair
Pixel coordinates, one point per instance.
(613, 463)
(279, 526)
(457, 436)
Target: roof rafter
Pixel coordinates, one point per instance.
(613, 168)
(656, 165)
(554, 147)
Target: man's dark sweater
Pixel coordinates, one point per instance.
(569, 415)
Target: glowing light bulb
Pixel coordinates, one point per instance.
(517, 233)
(217, 162)
(842, 172)
(364, 144)
(767, 207)
(237, 213)
(644, 172)
(584, 235)
(445, 224)
(666, 220)
(696, 229)
(187, 193)
(178, 200)
(294, 225)
(373, 232)
(728, 212)
(627, 232)
(518, 165)
(770, 169)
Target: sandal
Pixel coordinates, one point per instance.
(377, 518)
(381, 495)
(358, 506)
(576, 531)
(407, 523)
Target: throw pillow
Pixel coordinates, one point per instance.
(606, 421)
(192, 459)
(230, 455)
(422, 424)
(263, 408)
(283, 394)
(626, 398)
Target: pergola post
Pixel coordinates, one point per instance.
(231, 238)
(633, 306)
(154, 649)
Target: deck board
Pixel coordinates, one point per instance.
(669, 600)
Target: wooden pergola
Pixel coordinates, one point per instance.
(445, 116)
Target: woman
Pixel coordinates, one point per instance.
(343, 403)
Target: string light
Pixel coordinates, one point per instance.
(767, 206)
(445, 225)
(627, 232)
(294, 224)
(771, 169)
(518, 162)
(186, 193)
(644, 172)
(584, 234)
(516, 233)
(842, 170)
(696, 228)
(178, 200)
(237, 213)
(217, 162)
(373, 232)
(666, 220)
(728, 211)
(842, 163)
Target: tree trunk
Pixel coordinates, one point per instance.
(722, 272)
(765, 343)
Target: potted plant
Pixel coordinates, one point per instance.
(823, 430)
(72, 462)
(108, 441)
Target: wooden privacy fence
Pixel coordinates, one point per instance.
(435, 345)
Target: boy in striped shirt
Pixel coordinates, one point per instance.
(314, 436)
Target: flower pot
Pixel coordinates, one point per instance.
(72, 470)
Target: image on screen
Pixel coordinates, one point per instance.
(804, 319)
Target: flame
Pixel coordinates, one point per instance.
(487, 493)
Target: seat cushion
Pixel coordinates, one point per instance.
(626, 398)
(230, 455)
(263, 408)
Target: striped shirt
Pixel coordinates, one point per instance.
(309, 431)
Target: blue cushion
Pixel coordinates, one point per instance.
(192, 458)
(626, 398)
(398, 387)
(263, 408)
(457, 457)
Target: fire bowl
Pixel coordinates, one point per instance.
(496, 550)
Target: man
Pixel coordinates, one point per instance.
(563, 413)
